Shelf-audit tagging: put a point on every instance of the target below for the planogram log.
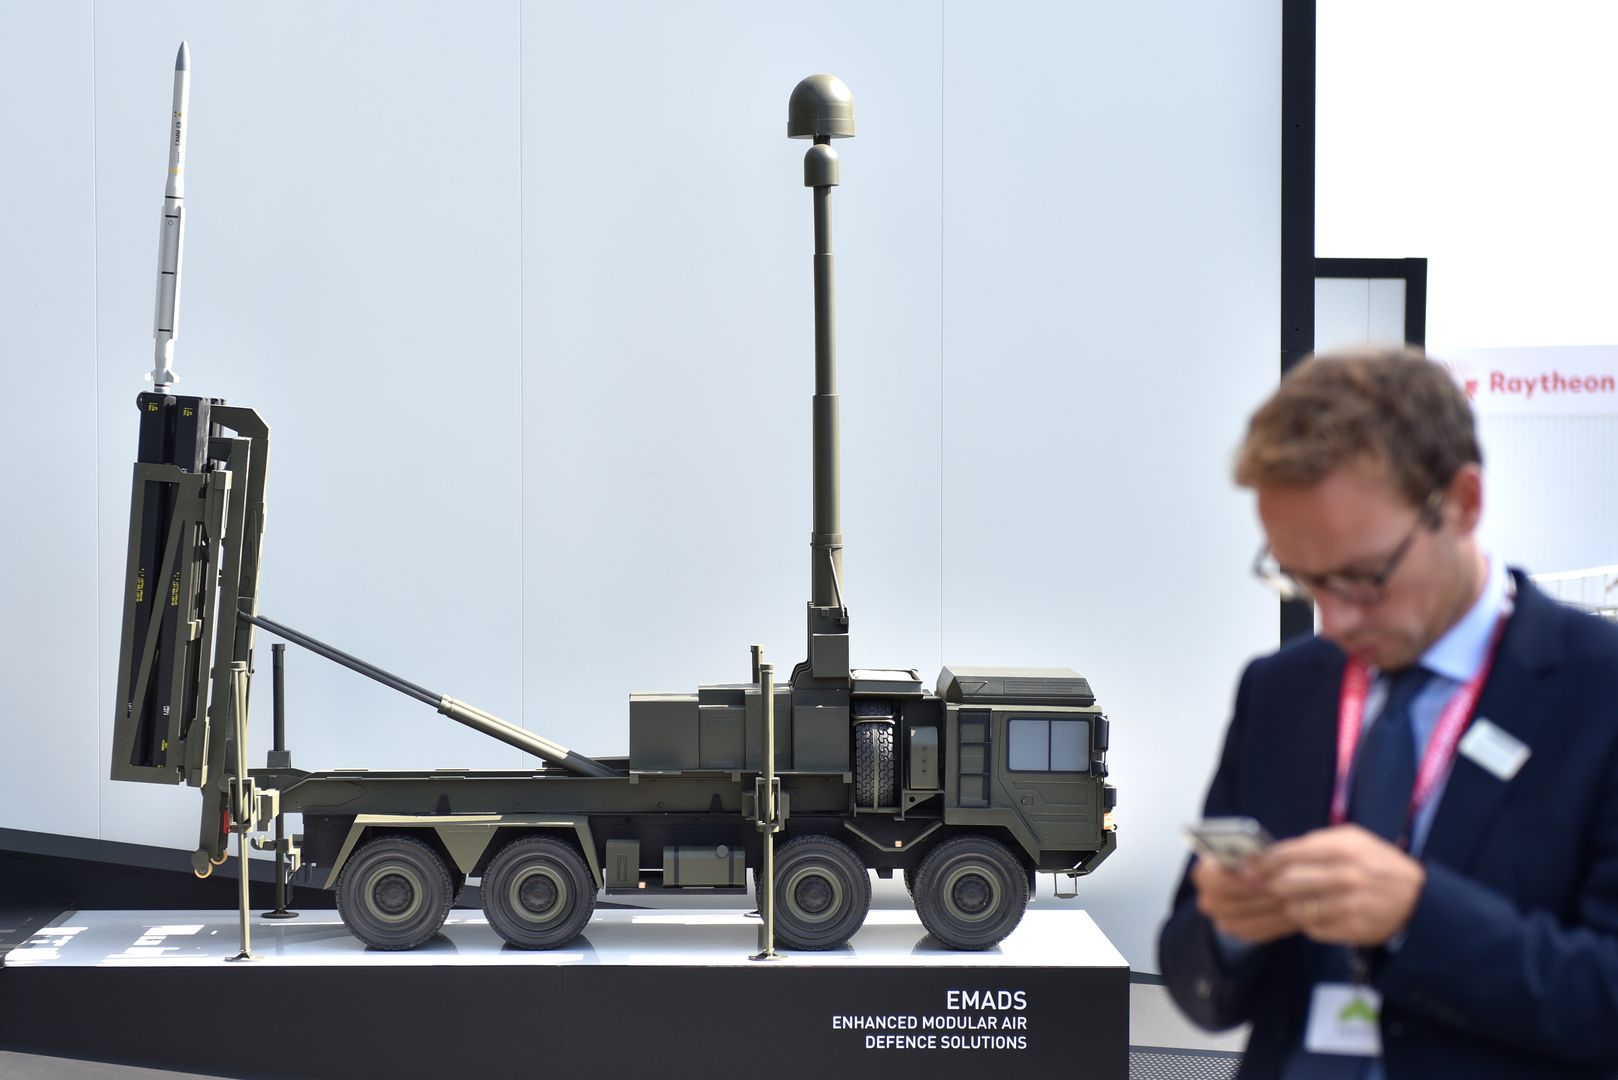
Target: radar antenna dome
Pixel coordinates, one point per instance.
(820, 107)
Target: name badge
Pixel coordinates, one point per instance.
(1343, 1020)
(1494, 749)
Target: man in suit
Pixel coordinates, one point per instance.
(1439, 768)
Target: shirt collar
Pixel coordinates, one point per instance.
(1461, 651)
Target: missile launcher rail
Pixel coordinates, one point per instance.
(966, 788)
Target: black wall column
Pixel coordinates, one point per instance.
(1297, 219)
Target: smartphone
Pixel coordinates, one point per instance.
(1228, 840)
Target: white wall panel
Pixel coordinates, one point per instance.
(669, 362)
(50, 764)
(1550, 505)
(1342, 310)
(1358, 311)
(1110, 317)
(1469, 133)
(1385, 309)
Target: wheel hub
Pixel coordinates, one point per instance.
(970, 892)
(537, 893)
(971, 895)
(393, 894)
(813, 895)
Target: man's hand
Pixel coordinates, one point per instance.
(1343, 885)
(1239, 905)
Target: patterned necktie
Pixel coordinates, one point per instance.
(1385, 772)
(1384, 777)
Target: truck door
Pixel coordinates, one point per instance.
(1046, 775)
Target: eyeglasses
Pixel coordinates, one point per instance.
(1357, 587)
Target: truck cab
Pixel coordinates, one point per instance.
(1025, 749)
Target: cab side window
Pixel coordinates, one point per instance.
(1048, 745)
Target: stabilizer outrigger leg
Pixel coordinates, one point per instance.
(769, 821)
(245, 800)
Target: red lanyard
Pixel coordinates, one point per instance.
(1452, 724)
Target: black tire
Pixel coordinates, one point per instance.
(910, 882)
(822, 893)
(873, 765)
(971, 892)
(394, 892)
(538, 893)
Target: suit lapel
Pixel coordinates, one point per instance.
(1514, 701)
(1310, 766)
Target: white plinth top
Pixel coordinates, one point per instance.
(618, 936)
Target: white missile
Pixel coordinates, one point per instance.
(171, 234)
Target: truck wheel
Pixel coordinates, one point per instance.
(394, 892)
(873, 765)
(822, 893)
(910, 882)
(538, 893)
(971, 892)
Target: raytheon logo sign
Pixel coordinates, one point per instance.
(1563, 380)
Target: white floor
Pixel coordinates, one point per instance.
(700, 937)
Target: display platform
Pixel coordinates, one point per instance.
(672, 993)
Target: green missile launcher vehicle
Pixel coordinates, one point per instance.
(966, 788)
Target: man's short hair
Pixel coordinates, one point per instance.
(1390, 407)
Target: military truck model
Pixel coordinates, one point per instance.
(966, 787)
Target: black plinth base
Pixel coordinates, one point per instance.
(634, 1000)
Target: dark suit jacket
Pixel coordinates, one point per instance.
(1510, 963)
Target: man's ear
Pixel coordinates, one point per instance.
(1463, 499)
